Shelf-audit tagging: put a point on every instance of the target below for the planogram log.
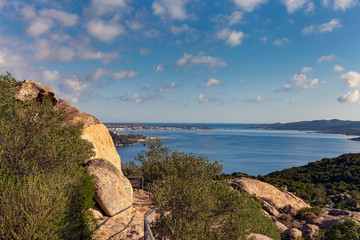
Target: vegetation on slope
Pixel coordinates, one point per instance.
(191, 205)
(44, 191)
(324, 126)
(334, 182)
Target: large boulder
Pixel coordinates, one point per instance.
(269, 193)
(94, 131)
(113, 191)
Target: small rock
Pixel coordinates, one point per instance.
(257, 236)
(309, 231)
(96, 212)
(281, 227)
(270, 209)
(291, 233)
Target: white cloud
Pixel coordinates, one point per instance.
(327, 58)
(190, 60)
(122, 75)
(65, 54)
(293, 101)
(167, 87)
(160, 68)
(178, 30)
(235, 17)
(135, 25)
(350, 97)
(233, 37)
(44, 21)
(249, 5)
(301, 81)
(175, 9)
(306, 69)
(264, 39)
(340, 4)
(351, 79)
(39, 26)
(105, 31)
(64, 18)
(310, 7)
(202, 99)
(136, 97)
(212, 82)
(152, 33)
(338, 68)
(281, 41)
(98, 74)
(101, 7)
(293, 5)
(144, 51)
(50, 76)
(87, 54)
(325, 27)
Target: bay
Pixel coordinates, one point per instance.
(243, 149)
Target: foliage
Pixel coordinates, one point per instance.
(44, 191)
(130, 169)
(191, 205)
(318, 182)
(346, 229)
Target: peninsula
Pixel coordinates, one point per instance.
(124, 139)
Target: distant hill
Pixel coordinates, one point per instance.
(333, 182)
(335, 126)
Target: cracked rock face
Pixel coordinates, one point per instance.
(113, 191)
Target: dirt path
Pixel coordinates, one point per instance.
(128, 224)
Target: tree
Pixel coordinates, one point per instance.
(191, 205)
(44, 191)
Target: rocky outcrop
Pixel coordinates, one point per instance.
(269, 193)
(32, 89)
(291, 233)
(113, 191)
(109, 179)
(94, 131)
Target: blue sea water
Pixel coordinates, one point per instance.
(243, 149)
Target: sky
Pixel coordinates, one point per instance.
(191, 61)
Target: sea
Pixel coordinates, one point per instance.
(243, 149)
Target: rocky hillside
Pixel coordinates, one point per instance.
(114, 193)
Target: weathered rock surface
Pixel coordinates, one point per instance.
(329, 216)
(113, 191)
(281, 227)
(257, 236)
(269, 193)
(109, 182)
(270, 209)
(309, 231)
(291, 233)
(32, 89)
(94, 131)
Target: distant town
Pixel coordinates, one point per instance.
(134, 126)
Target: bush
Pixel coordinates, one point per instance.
(191, 205)
(44, 191)
(346, 229)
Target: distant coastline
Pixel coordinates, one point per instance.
(334, 126)
(134, 126)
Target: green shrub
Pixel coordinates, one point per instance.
(346, 229)
(44, 191)
(191, 205)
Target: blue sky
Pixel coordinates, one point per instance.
(241, 61)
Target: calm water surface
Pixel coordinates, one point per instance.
(252, 151)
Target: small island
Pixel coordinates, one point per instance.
(124, 139)
(134, 126)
